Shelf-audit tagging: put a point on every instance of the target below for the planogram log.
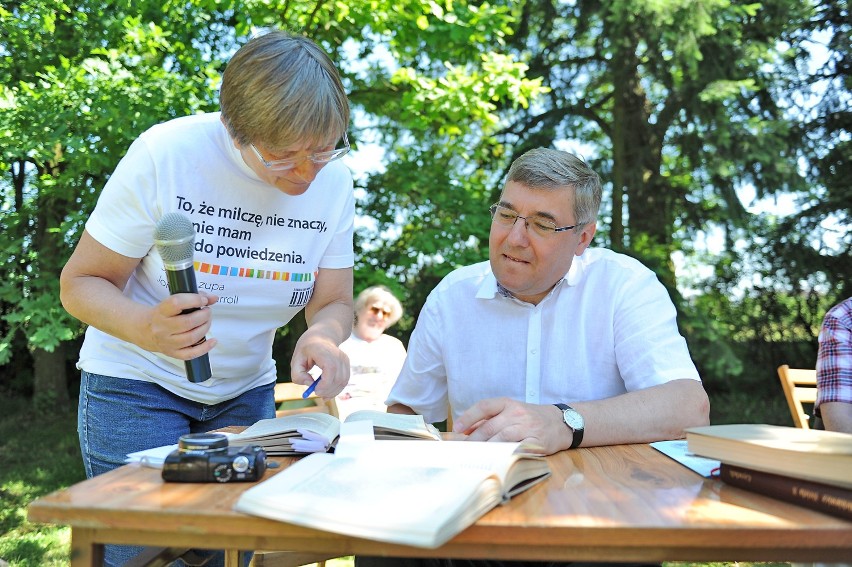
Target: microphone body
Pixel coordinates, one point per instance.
(174, 237)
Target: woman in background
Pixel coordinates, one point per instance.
(375, 358)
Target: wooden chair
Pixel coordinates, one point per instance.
(799, 386)
(289, 401)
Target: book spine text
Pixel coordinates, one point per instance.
(832, 500)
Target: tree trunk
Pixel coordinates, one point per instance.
(636, 156)
(50, 380)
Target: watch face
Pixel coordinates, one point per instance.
(573, 419)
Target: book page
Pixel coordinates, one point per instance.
(480, 455)
(386, 500)
(322, 424)
(395, 422)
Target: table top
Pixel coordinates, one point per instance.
(619, 503)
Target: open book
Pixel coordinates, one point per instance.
(419, 494)
(316, 432)
(810, 454)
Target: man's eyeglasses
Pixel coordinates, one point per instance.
(380, 311)
(539, 224)
(290, 163)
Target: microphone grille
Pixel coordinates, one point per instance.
(174, 237)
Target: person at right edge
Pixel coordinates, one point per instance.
(834, 369)
(550, 341)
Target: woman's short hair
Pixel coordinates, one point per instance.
(280, 90)
(379, 294)
(545, 168)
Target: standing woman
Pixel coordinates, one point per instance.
(273, 211)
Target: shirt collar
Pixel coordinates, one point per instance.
(490, 288)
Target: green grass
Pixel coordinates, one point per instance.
(40, 453)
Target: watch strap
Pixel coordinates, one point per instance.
(577, 433)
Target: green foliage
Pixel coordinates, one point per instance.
(677, 104)
(96, 79)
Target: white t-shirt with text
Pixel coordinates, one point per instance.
(256, 247)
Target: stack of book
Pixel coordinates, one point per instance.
(808, 467)
(302, 434)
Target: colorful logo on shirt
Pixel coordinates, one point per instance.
(234, 271)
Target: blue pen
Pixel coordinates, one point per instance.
(312, 387)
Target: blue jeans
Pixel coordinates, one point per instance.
(117, 416)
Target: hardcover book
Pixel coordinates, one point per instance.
(808, 454)
(832, 500)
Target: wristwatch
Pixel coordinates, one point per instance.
(574, 421)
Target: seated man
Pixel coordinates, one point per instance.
(550, 341)
(834, 369)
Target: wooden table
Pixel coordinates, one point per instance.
(621, 503)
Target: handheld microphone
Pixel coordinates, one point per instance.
(174, 237)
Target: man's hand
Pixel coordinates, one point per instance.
(504, 419)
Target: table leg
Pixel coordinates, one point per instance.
(85, 552)
(233, 558)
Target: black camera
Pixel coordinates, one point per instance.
(207, 457)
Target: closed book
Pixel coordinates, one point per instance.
(832, 500)
(807, 454)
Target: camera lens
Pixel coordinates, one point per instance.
(202, 443)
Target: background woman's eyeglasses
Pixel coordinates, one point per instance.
(380, 311)
(290, 163)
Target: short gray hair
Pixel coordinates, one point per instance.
(281, 89)
(545, 168)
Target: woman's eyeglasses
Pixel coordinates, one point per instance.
(319, 158)
(380, 311)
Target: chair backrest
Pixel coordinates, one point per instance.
(799, 386)
(289, 394)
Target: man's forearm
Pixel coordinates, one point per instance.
(643, 416)
(836, 416)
